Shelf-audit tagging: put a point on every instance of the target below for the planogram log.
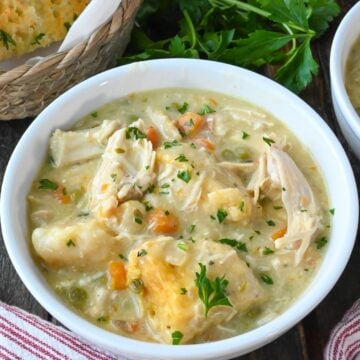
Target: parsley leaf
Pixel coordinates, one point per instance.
(38, 38)
(266, 279)
(267, 251)
(206, 109)
(6, 39)
(320, 243)
(134, 133)
(221, 215)
(176, 337)
(170, 144)
(183, 108)
(47, 184)
(211, 292)
(182, 158)
(141, 253)
(268, 140)
(184, 175)
(238, 245)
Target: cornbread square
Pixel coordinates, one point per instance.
(26, 25)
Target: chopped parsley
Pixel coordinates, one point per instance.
(147, 167)
(122, 257)
(113, 177)
(184, 175)
(167, 212)
(320, 243)
(332, 211)
(183, 291)
(147, 205)
(268, 140)
(150, 189)
(70, 243)
(241, 206)
(94, 114)
(182, 158)
(165, 186)
(270, 222)
(221, 215)
(170, 144)
(101, 319)
(182, 246)
(191, 228)
(245, 135)
(211, 292)
(238, 245)
(206, 109)
(47, 184)
(142, 252)
(138, 220)
(164, 193)
(266, 279)
(67, 25)
(134, 133)
(277, 207)
(176, 337)
(38, 38)
(183, 108)
(267, 251)
(6, 39)
(257, 232)
(119, 150)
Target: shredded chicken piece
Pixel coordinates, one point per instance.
(162, 122)
(126, 171)
(71, 147)
(302, 211)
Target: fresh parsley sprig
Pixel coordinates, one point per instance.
(211, 292)
(250, 33)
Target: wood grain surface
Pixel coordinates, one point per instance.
(306, 340)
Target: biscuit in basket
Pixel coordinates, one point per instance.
(26, 25)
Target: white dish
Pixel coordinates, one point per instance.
(346, 34)
(89, 95)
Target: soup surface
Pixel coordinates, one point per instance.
(178, 216)
(352, 76)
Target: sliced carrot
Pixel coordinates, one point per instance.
(153, 136)
(190, 123)
(206, 143)
(61, 196)
(279, 234)
(117, 274)
(161, 222)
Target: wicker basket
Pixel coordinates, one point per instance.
(27, 89)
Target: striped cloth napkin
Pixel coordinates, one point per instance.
(344, 341)
(27, 337)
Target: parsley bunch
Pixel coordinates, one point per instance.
(250, 33)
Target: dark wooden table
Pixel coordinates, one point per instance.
(306, 340)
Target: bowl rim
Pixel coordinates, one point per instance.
(217, 349)
(337, 72)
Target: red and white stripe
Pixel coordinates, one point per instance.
(26, 336)
(344, 341)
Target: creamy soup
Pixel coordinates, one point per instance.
(352, 75)
(178, 216)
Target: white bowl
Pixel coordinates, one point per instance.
(89, 95)
(345, 36)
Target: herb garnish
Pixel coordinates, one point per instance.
(142, 252)
(320, 243)
(147, 205)
(70, 243)
(6, 39)
(270, 222)
(268, 140)
(176, 337)
(211, 292)
(182, 158)
(184, 175)
(138, 220)
(266, 279)
(221, 215)
(134, 133)
(332, 211)
(245, 135)
(183, 108)
(183, 291)
(267, 251)
(242, 205)
(277, 207)
(37, 39)
(122, 257)
(206, 109)
(67, 25)
(101, 319)
(191, 228)
(113, 177)
(170, 144)
(47, 184)
(182, 246)
(94, 114)
(238, 245)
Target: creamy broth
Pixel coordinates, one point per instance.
(352, 75)
(124, 210)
